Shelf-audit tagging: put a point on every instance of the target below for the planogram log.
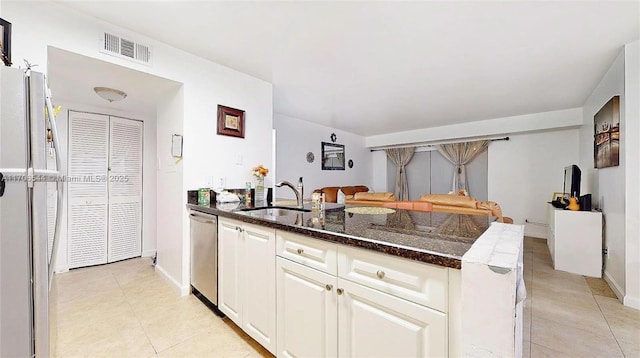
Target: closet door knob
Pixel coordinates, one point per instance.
(329, 287)
(339, 291)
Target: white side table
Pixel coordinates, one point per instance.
(575, 241)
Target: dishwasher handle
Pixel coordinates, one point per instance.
(201, 219)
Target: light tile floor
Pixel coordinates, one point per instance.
(569, 315)
(126, 309)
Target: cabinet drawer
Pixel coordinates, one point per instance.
(317, 254)
(414, 281)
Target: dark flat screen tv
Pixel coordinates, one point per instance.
(571, 181)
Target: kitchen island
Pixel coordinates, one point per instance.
(436, 238)
(345, 283)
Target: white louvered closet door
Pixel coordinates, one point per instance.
(87, 193)
(125, 189)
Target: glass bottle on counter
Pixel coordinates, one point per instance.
(247, 194)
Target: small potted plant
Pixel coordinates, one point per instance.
(260, 172)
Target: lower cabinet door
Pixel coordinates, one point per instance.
(306, 311)
(375, 324)
(230, 264)
(259, 290)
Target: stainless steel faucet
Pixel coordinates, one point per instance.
(298, 189)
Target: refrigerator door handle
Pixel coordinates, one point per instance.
(59, 185)
(2, 184)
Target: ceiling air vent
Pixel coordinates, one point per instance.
(120, 47)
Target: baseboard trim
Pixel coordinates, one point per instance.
(148, 253)
(183, 290)
(62, 269)
(633, 302)
(537, 236)
(535, 231)
(614, 285)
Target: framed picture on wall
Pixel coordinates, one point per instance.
(606, 135)
(5, 42)
(230, 121)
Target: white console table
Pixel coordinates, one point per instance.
(575, 241)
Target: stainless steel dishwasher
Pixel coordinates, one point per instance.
(204, 256)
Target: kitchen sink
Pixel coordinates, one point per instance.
(274, 210)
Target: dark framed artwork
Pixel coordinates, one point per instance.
(606, 135)
(5, 41)
(332, 156)
(230, 121)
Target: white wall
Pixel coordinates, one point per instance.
(608, 184)
(205, 85)
(632, 177)
(148, 175)
(525, 171)
(534, 122)
(296, 138)
(616, 188)
(169, 189)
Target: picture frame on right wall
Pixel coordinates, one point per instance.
(5, 42)
(606, 135)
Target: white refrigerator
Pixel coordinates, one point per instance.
(26, 266)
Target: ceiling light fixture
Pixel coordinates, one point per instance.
(110, 94)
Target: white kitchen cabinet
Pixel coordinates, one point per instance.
(375, 315)
(413, 281)
(247, 278)
(376, 324)
(307, 311)
(314, 253)
(575, 241)
(259, 290)
(229, 266)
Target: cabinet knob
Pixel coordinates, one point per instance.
(300, 251)
(380, 274)
(329, 287)
(339, 291)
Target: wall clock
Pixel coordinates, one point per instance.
(310, 157)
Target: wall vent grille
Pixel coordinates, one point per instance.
(123, 48)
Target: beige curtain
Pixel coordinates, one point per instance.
(459, 154)
(400, 157)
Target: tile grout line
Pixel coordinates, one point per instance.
(531, 340)
(145, 331)
(126, 299)
(608, 325)
(543, 256)
(555, 349)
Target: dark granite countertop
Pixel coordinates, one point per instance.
(436, 238)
